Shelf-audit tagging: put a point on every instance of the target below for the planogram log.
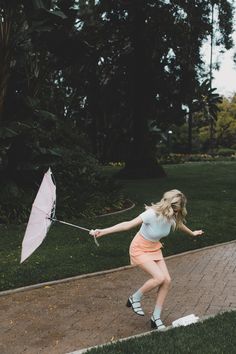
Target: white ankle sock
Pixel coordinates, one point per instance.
(137, 296)
(157, 312)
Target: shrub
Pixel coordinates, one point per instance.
(28, 152)
(226, 151)
(183, 158)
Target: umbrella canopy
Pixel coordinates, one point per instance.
(43, 210)
(41, 216)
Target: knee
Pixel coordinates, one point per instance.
(158, 280)
(162, 280)
(167, 280)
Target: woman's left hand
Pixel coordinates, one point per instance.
(198, 233)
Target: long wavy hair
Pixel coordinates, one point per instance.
(172, 207)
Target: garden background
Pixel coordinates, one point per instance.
(116, 98)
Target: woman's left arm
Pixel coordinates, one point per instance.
(186, 230)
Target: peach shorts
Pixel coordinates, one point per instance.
(142, 250)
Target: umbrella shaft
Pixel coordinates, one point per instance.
(73, 225)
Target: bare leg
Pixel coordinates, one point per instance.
(161, 277)
(164, 287)
(157, 278)
(156, 272)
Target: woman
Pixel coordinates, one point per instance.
(145, 248)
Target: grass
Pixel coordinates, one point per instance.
(215, 335)
(211, 192)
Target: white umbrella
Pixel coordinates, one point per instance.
(41, 217)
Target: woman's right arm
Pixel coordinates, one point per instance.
(123, 226)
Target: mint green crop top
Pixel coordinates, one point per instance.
(154, 227)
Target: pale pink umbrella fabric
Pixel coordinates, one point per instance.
(39, 221)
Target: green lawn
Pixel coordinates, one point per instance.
(215, 335)
(211, 192)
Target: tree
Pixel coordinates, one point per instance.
(225, 129)
(148, 66)
(129, 73)
(8, 42)
(207, 102)
(34, 99)
(200, 24)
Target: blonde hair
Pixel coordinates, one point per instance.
(166, 207)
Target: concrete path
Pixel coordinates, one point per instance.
(65, 317)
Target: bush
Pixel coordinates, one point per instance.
(225, 151)
(28, 153)
(183, 158)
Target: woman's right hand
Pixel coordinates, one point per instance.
(96, 233)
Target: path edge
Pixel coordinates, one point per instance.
(201, 320)
(102, 272)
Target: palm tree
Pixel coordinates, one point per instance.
(207, 101)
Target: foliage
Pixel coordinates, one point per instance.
(81, 188)
(38, 126)
(226, 123)
(151, 67)
(68, 65)
(225, 126)
(222, 151)
(105, 71)
(207, 101)
(222, 154)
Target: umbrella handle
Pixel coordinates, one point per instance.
(95, 240)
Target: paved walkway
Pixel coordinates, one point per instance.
(62, 318)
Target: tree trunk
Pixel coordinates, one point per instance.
(190, 128)
(5, 55)
(140, 161)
